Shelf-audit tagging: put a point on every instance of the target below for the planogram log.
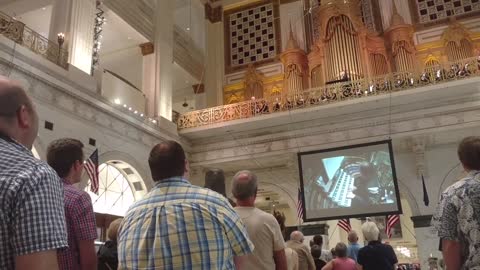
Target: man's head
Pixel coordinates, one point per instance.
(316, 251)
(469, 153)
(341, 250)
(297, 236)
(318, 240)
(167, 159)
(352, 237)
(370, 231)
(65, 156)
(18, 118)
(112, 232)
(244, 187)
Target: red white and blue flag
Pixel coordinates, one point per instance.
(91, 167)
(345, 224)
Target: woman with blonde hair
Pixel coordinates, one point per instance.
(107, 254)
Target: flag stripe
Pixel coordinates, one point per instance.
(300, 204)
(391, 221)
(345, 224)
(91, 167)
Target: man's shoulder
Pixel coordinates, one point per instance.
(75, 197)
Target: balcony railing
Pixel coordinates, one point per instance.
(331, 94)
(23, 35)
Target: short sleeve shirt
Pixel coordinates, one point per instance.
(457, 218)
(264, 231)
(32, 217)
(80, 225)
(377, 256)
(181, 226)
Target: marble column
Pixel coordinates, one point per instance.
(214, 59)
(163, 45)
(75, 18)
(148, 76)
(386, 10)
(427, 240)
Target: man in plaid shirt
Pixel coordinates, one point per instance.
(32, 220)
(178, 225)
(66, 158)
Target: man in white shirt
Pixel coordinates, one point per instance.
(262, 228)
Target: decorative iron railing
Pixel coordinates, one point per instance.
(23, 35)
(332, 93)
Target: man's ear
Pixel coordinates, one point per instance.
(24, 117)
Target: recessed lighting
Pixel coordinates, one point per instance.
(129, 38)
(188, 28)
(117, 101)
(44, 8)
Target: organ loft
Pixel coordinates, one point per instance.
(340, 42)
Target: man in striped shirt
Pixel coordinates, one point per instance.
(178, 225)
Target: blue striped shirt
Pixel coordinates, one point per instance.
(181, 226)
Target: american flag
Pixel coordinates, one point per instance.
(391, 221)
(91, 166)
(300, 204)
(345, 224)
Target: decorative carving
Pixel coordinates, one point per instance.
(213, 14)
(147, 48)
(418, 148)
(296, 67)
(455, 32)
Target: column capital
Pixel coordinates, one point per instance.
(213, 14)
(147, 48)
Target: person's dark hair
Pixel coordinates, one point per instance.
(469, 152)
(318, 240)
(62, 154)
(341, 250)
(215, 180)
(167, 159)
(316, 251)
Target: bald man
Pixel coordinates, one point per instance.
(305, 259)
(262, 227)
(32, 223)
(353, 247)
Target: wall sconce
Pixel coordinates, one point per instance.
(60, 39)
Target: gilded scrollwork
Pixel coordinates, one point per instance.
(21, 34)
(332, 93)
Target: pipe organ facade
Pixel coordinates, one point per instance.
(345, 49)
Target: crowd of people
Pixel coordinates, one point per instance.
(47, 224)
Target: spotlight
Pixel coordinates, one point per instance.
(124, 105)
(117, 101)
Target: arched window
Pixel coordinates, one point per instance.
(120, 186)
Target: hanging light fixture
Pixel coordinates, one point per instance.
(185, 103)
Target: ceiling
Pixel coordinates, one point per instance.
(118, 35)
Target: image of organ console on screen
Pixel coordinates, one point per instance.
(351, 181)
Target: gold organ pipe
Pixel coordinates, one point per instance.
(337, 51)
(341, 53)
(358, 68)
(331, 56)
(349, 55)
(343, 56)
